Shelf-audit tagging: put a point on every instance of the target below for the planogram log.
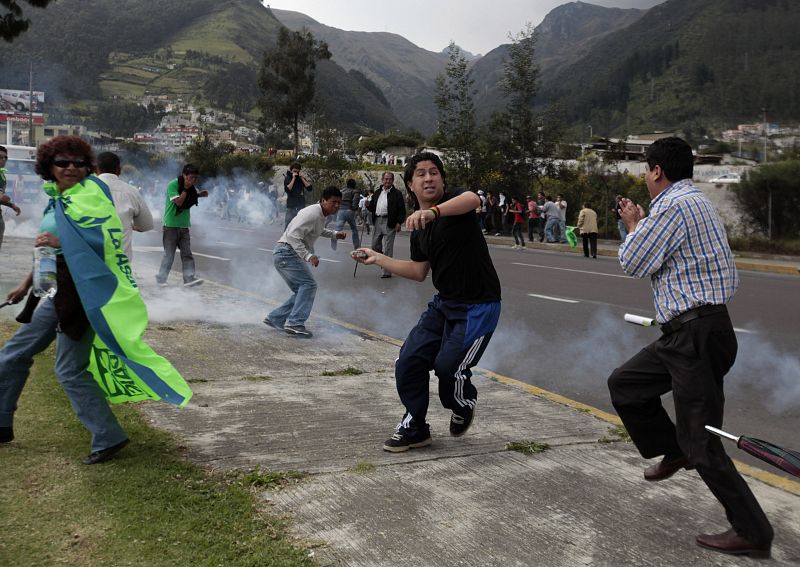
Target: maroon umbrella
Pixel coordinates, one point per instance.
(784, 459)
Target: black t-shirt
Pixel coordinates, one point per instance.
(459, 257)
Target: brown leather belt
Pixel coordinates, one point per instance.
(703, 311)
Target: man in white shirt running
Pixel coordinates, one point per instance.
(131, 206)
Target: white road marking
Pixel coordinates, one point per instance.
(553, 298)
(572, 270)
(160, 249)
(210, 256)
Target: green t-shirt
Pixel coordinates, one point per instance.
(173, 218)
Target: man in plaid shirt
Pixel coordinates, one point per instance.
(682, 246)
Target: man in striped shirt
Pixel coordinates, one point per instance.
(681, 245)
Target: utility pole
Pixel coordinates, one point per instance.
(764, 110)
(769, 195)
(31, 139)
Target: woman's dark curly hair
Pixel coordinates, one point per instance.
(61, 145)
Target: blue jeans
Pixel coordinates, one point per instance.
(297, 275)
(173, 238)
(72, 360)
(548, 229)
(349, 217)
(562, 227)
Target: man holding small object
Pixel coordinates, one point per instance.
(293, 253)
(453, 332)
(682, 246)
(182, 195)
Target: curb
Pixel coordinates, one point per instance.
(747, 264)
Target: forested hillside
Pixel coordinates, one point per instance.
(85, 51)
(687, 65)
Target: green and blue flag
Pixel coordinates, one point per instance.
(124, 366)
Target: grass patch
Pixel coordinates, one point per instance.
(266, 479)
(527, 447)
(583, 410)
(256, 378)
(147, 507)
(362, 468)
(349, 371)
(788, 246)
(615, 435)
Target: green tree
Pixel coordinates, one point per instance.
(13, 23)
(519, 140)
(287, 80)
(456, 113)
(778, 183)
(204, 154)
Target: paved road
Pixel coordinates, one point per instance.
(561, 329)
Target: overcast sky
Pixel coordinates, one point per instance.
(478, 26)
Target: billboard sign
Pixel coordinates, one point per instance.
(20, 102)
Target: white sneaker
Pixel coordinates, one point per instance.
(193, 282)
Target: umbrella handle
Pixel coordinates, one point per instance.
(721, 433)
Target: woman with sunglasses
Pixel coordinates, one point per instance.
(96, 304)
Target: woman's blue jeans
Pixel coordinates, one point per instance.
(72, 360)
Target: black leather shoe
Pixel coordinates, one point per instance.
(104, 455)
(733, 544)
(6, 434)
(666, 468)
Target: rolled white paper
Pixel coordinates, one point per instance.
(639, 320)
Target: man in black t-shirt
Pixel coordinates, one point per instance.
(452, 334)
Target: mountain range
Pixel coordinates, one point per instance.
(683, 64)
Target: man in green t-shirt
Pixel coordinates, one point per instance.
(181, 196)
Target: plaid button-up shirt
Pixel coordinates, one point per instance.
(683, 247)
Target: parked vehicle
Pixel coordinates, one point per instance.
(726, 178)
(24, 184)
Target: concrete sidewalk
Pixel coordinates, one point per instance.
(266, 399)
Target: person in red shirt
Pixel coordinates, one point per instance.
(534, 220)
(516, 229)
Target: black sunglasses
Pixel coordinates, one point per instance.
(64, 163)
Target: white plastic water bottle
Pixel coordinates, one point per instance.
(44, 272)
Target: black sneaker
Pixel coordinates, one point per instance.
(193, 282)
(459, 424)
(298, 331)
(398, 442)
(105, 454)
